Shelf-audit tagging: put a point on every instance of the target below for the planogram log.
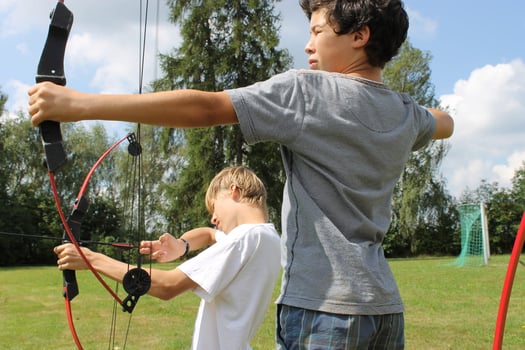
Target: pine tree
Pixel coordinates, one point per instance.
(226, 44)
(422, 210)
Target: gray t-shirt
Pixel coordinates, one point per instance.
(345, 142)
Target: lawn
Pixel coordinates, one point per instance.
(446, 308)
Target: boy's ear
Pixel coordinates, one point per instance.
(361, 37)
(234, 191)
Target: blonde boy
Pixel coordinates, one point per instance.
(234, 276)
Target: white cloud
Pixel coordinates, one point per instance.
(505, 172)
(21, 16)
(105, 47)
(420, 25)
(102, 53)
(489, 117)
(98, 60)
(23, 49)
(17, 97)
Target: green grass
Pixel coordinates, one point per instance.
(446, 308)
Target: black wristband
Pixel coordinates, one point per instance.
(187, 247)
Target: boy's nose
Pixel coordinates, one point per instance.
(309, 47)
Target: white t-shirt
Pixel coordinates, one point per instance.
(236, 278)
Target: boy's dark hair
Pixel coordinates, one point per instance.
(387, 20)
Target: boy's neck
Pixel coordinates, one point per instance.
(245, 216)
(372, 73)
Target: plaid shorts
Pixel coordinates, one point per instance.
(301, 329)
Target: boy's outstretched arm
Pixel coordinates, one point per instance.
(168, 248)
(177, 108)
(165, 284)
(445, 124)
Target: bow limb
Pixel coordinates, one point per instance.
(73, 223)
(135, 277)
(507, 285)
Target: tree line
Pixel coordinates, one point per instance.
(225, 45)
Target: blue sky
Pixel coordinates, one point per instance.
(478, 66)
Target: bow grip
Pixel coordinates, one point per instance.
(74, 221)
(51, 68)
(54, 150)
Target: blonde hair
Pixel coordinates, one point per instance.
(251, 188)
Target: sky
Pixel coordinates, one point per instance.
(478, 66)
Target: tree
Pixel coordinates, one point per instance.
(3, 160)
(505, 210)
(3, 100)
(503, 221)
(484, 193)
(227, 44)
(421, 205)
(27, 204)
(518, 188)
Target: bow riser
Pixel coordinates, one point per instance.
(51, 68)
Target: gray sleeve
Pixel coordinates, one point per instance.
(272, 110)
(427, 126)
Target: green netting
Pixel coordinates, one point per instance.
(473, 249)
